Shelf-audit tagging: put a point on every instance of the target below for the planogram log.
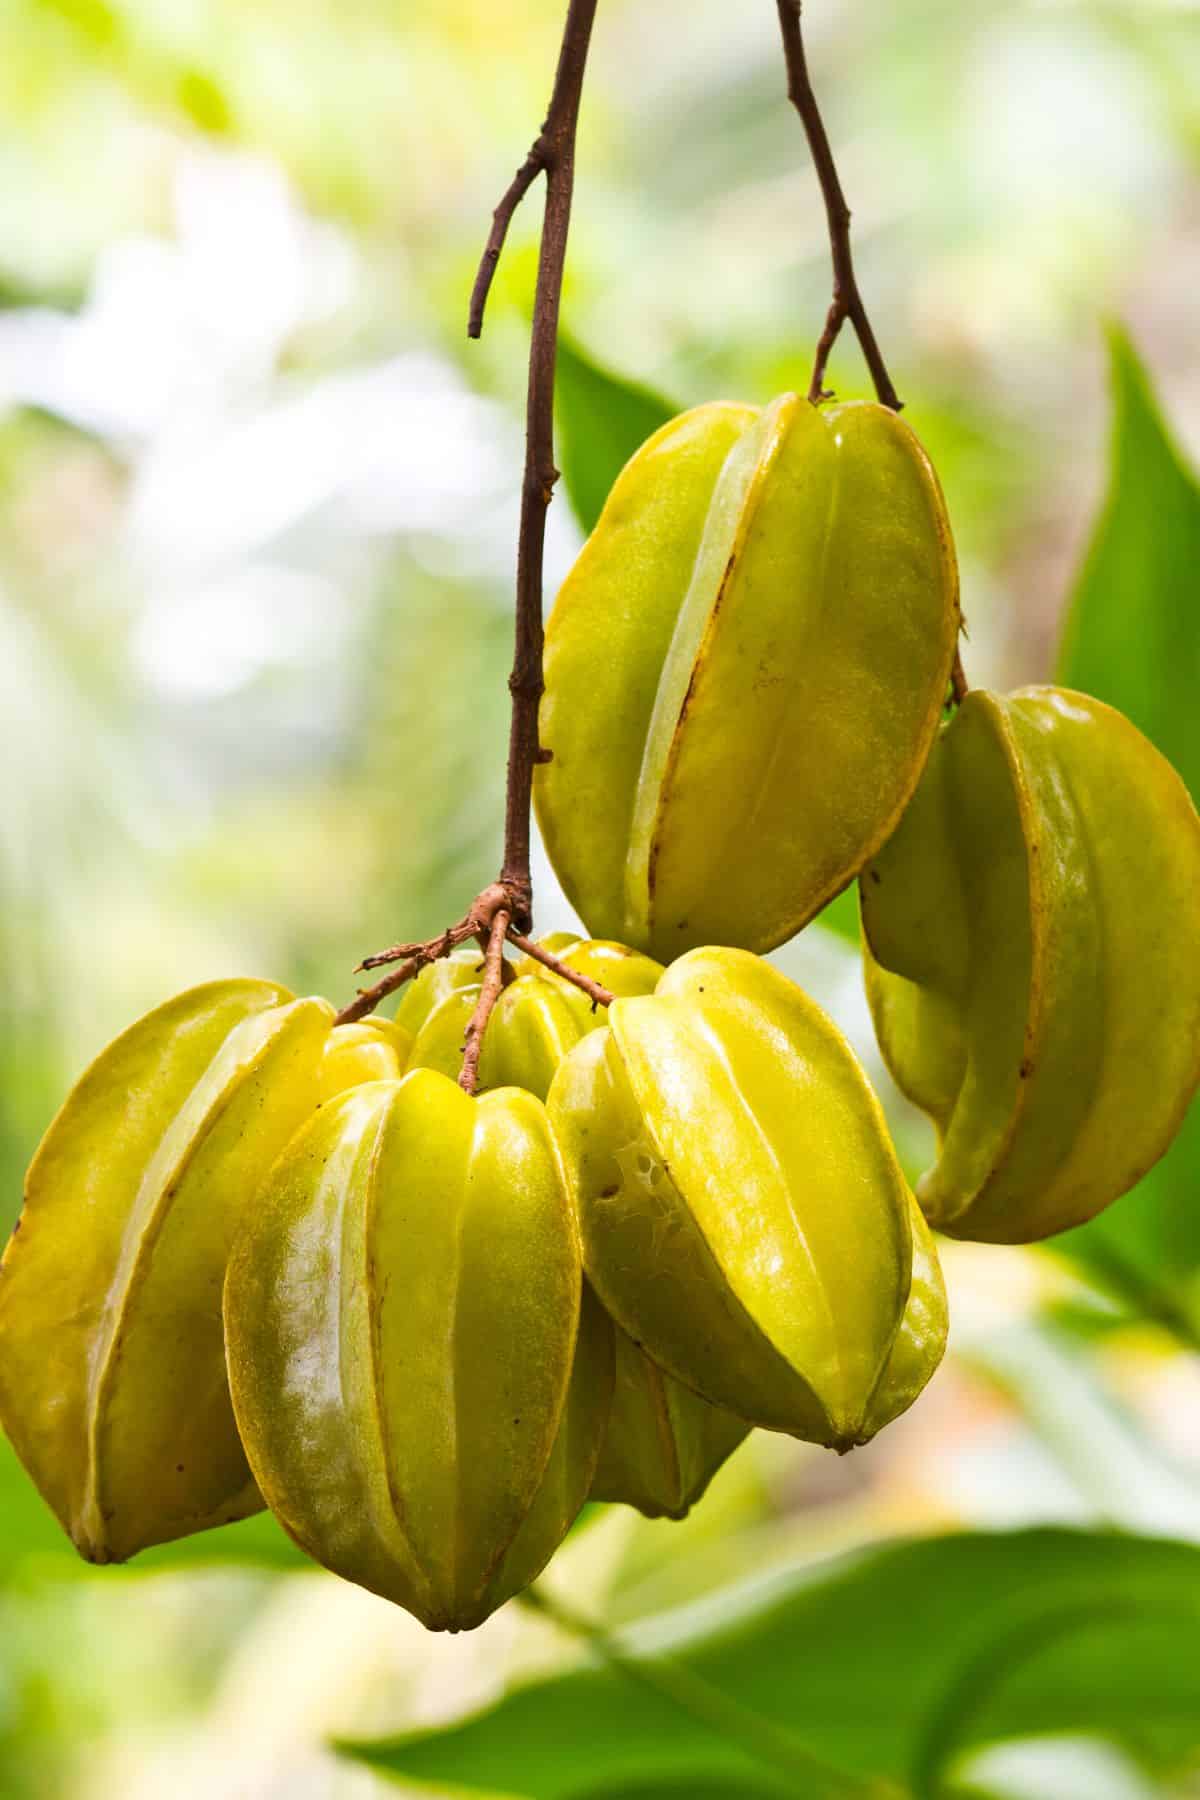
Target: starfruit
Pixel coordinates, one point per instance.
(920, 1343)
(744, 672)
(112, 1367)
(1032, 967)
(369, 1050)
(744, 1217)
(421, 1398)
(664, 1443)
(537, 1019)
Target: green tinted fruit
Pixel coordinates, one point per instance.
(371, 1050)
(1031, 935)
(664, 1444)
(744, 1217)
(418, 1398)
(112, 1366)
(920, 1342)
(463, 968)
(744, 672)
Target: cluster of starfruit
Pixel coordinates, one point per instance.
(776, 597)
(267, 1259)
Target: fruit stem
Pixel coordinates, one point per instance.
(489, 993)
(847, 302)
(599, 996)
(511, 895)
(553, 153)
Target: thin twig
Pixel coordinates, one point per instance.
(476, 922)
(489, 993)
(516, 191)
(599, 996)
(959, 686)
(556, 154)
(553, 153)
(367, 999)
(431, 951)
(847, 302)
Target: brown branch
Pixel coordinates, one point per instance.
(489, 993)
(476, 922)
(367, 999)
(553, 153)
(599, 996)
(847, 302)
(430, 951)
(516, 191)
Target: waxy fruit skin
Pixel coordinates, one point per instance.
(744, 1217)
(664, 1443)
(1032, 932)
(112, 1365)
(745, 670)
(538, 1018)
(920, 1343)
(370, 1050)
(420, 1397)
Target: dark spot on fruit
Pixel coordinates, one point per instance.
(608, 1192)
(179, 1468)
(1025, 1070)
(876, 877)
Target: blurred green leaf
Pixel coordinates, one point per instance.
(260, 1541)
(1133, 638)
(698, 1787)
(1133, 629)
(841, 915)
(889, 1665)
(603, 419)
(32, 1539)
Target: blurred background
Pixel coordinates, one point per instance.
(257, 523)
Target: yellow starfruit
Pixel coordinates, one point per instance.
(112, 1365)
(744, 1217)
(537, 1019)
(370, 1050)
(1031, 933)
(463, 968)
(420, 1397)
(745, 670)
(664, 1443)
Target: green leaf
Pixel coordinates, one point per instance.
(889, 1665)
(693, 1787)
(32, 1540)
(1132, 635)
(1133, 638)
(603, 419)
(841, 915)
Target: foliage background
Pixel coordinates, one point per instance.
(257, 516)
